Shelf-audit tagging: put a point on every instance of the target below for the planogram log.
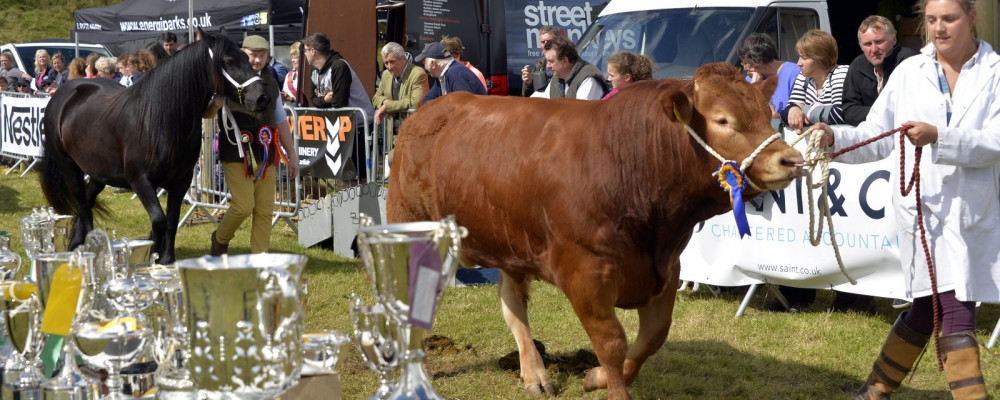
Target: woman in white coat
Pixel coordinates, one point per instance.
(947, 95)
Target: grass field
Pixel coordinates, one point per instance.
(709, 355)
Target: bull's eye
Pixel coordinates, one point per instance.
(722, 122)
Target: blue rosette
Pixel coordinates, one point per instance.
(733, 181)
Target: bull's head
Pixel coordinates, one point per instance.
(734, 118)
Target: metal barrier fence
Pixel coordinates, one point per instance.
(210, 194)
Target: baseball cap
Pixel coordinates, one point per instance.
(432, 50)
(256, 42)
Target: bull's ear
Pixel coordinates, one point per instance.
(677, 105)
(767, 86)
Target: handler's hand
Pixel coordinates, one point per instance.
(526, 75)
(921, 133)
(827, 133)
(796, 119)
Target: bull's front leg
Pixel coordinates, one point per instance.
(514, 301)
(654, 325)
(593, 294)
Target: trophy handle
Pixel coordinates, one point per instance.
(449, 228)
(365, 220)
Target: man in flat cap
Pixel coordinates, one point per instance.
(248, 172)
(451, 76)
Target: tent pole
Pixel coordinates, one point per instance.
(270, 32)
(190, 19)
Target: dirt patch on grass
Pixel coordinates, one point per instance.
(443, 345)
(575, 364)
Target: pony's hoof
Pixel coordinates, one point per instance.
(594, 379)
(540, 390)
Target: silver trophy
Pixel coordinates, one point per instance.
(21, 311)
(375, 336)
(170, 343)
(321, 350)
(10, 262)
(409, 265)
(55, 272)
(37, 231)
(244, 324)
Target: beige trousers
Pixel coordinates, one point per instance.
(250, 197)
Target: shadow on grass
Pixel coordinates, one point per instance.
(9, 202)
(699, 370)
(715, 370)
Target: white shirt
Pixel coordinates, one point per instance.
(960, 173)
(590, 89)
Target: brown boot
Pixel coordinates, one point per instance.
(961, 366)
(899, 352)
(218, 249)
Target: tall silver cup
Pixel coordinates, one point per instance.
(244, 322)
(409, 265)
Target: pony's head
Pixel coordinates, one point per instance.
(235, 78)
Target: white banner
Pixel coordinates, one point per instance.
(21, 120)
(779, 251)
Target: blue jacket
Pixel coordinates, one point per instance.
(457, 78)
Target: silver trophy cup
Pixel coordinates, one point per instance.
(244, 324)
(70, 383)
(409, 265)
(375, 336)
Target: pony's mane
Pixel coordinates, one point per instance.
(170, 97)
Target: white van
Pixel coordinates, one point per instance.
(24, 53)
(681, 35)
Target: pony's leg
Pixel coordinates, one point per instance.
(86, 198)
(175, 197)
(146, 193)
(514, 301)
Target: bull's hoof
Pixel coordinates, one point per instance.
(540, 390)
(595, 379)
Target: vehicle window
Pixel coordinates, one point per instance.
(678, 40)
(786, 26)
(27, 54)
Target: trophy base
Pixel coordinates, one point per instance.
(9, 392)
(413, 381)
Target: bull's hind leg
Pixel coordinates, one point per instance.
(514, 301)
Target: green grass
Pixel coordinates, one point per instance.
(28, 20)
(709, 354)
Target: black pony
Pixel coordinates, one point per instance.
(147, 136)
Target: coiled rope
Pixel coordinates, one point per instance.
(817, 156)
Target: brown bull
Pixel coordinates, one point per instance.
(596, 197)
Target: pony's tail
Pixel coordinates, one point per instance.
(54, 184)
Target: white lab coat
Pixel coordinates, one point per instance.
(960, 175)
